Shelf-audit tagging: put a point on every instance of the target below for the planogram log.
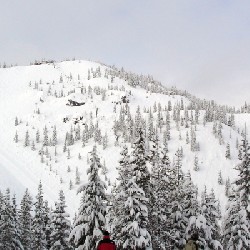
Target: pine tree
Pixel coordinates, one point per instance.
(85, 136)
(105, 141)
(38, 224)
(237, 143)
(10, 230)
(187, 138)
(54, 137)
(169, 106)
(134, 234)
(193, 143)
(151, 130)
(160, 196)
(138, 161)
(130, 215)
(70, 185)
(176, 206)
(70, 137)
(219, 133)
(220, 180)
(46, 137)
(27, 139)
(243, 180)
(79, 156)
(78, 133)
(97, 135)
(37, 136)
(227, 187)
(65, 146)
(16, 121)
(33, 147)
(153, 206)
(61, 79)
(228, 154)
(16, 138)
(47, 223)
(190, 202)
(60, 226)
(68, 155)
(196, 163)
(191, 208)
(115, 211)
(91, 214)
(25, 219)
(212, 215)
(236, 226)
(78, 179)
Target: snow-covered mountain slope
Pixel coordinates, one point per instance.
(69, 95)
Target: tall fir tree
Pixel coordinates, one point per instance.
(54, 137)
(139, 166)
(38, 224)
(25, 219)
(228, 153)
(91, 214)
(236, 233)
(45, 137)
(10, 231)
(60, 226)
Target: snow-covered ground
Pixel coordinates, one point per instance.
(24, 91)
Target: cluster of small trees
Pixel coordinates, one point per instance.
(154, 204)
(4, 65)
(157, 208)
(155, 120)
(33, 225)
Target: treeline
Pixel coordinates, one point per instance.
(154, 204)
(33, 225)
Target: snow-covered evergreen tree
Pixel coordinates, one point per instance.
(54, 137)
(10, 230)
(47, 223)
(37, 136)
(138, 161)
(60, 226)
(16, 138)
(27, 139)
(78, 179)
(228, 154)
(187, 138)
(242, 183)
(105, 141)
(45, 137)
(196, 163)
(116, 211)
(16, 121)
(38, 223)
(134, 233)
(25, 220)
(68, 154)
(211, 213)
(236, 233)
(91, 214)
(227, 187)
(220, 180)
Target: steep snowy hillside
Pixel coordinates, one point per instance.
(53, 114)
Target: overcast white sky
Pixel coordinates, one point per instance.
(199, 45)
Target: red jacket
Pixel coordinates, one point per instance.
(106, 244)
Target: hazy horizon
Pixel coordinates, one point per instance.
(200, 46)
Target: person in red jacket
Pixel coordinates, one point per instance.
(106, 243)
